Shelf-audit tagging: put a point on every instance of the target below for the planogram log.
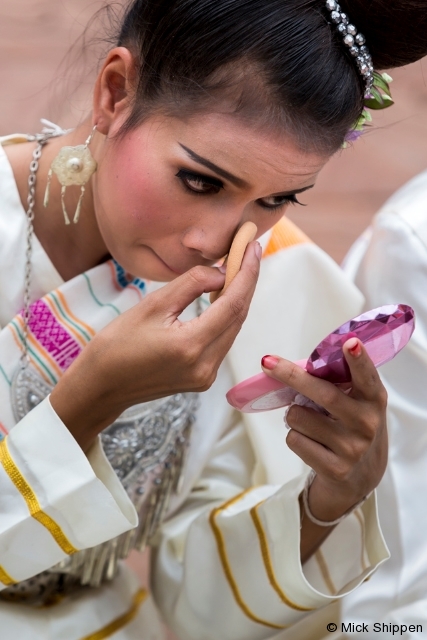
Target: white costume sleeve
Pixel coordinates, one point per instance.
(53, 499)
(228, 565)
(389, 265)
(391, 269)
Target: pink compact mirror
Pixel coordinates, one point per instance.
(384, 332)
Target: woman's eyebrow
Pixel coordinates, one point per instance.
(293, 192)
(239, 182)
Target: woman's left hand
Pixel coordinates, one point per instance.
(348, 448)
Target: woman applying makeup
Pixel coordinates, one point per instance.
(205, 116)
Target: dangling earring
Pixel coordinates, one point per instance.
(72, 165)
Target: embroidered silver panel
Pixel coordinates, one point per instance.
(146, 447)
(146, 437)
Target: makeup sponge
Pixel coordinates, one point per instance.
(243, 237)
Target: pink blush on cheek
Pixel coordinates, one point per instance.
(136, 196)
(136, 215)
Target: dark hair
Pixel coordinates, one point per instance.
(277, 62)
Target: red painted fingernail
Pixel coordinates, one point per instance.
(353, 345)
(269, 362)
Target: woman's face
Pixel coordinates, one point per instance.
(171, 194)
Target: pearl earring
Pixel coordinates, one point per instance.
(72, 165)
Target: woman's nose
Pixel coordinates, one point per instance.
(211, 243)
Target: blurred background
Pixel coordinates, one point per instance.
(38, 79)
(47, 70)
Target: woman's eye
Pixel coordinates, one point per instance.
(199, 184)
(274, 202)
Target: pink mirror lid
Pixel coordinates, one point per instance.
(384, 332)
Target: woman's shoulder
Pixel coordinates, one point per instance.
(398, 230)
(12, 214)
(407, 209)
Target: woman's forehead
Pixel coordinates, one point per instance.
(238, 148)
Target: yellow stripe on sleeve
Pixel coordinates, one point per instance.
(226, 563)
(5, 578)
(32, 503)
(265, 552)
(121, 621)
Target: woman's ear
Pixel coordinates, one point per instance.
(114, 89)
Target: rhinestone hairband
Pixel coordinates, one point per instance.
(355, 42)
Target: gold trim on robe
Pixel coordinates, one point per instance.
(265, 552)
(5, 578)
(32, 503)
(121, 621)
(226, 563)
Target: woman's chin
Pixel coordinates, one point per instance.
(154, 273)
(147, 266)
(161, 277)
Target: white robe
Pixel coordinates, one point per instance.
(389, 264)
(220, 571)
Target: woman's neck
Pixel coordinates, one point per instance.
(72, 248)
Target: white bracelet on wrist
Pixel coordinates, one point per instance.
(310, 516)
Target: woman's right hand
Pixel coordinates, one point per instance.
(347, 448)
(147, 353)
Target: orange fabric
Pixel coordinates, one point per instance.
(285, 234)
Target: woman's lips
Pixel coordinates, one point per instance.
(180, 271)
(175, 271)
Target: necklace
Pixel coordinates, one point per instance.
(32, 180)
(49, 131)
